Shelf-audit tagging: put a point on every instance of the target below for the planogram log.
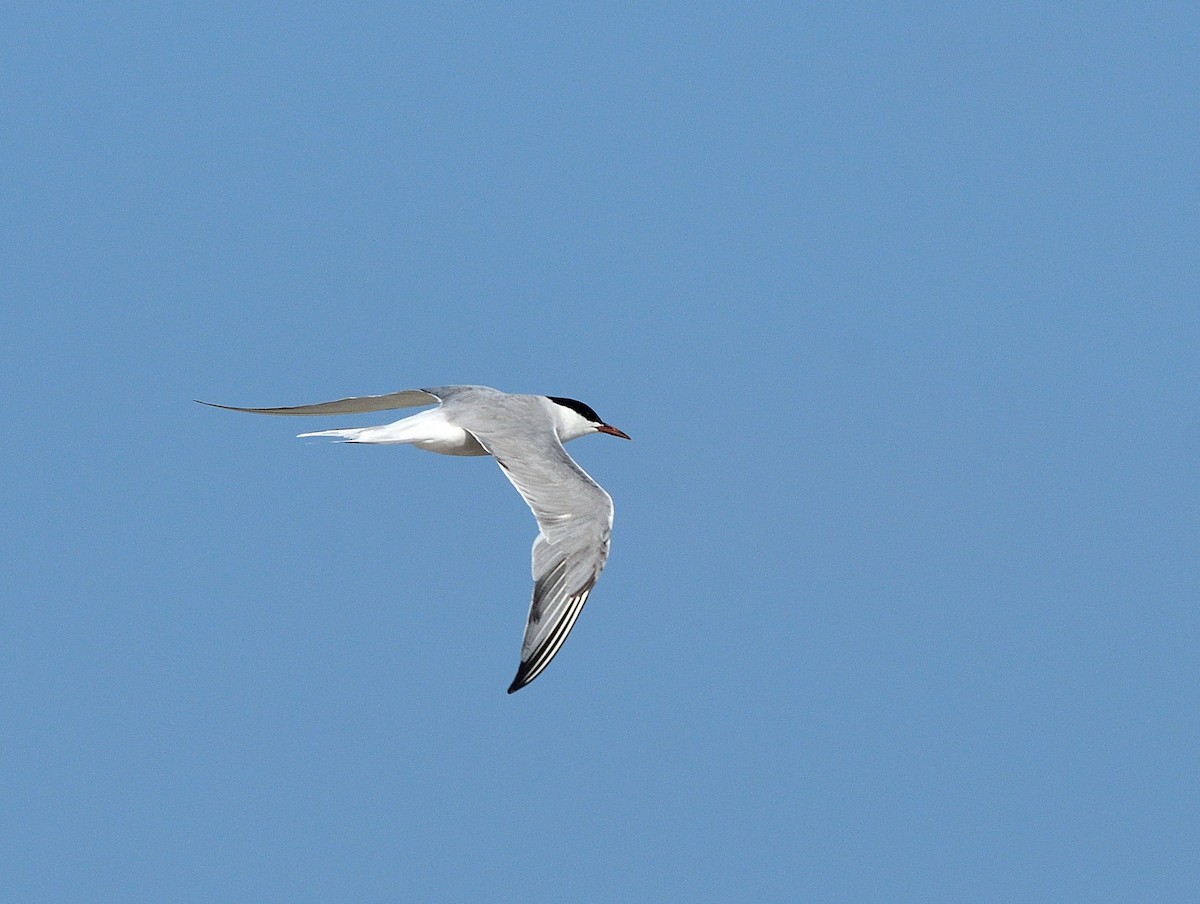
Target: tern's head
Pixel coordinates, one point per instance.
(573, 419)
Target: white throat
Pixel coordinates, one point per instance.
(568, 423)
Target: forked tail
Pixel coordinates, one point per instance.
(352, 434)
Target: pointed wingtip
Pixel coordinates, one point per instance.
(522, 678)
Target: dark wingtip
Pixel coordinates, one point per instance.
(520, 681)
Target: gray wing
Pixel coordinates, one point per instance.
(574, 515)
(408, 398)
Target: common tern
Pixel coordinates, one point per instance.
(525, 434)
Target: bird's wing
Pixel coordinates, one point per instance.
(574, 515)
(408, 398)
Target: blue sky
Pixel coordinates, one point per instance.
(899, 307)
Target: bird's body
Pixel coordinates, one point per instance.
(525, 434)
(431, 431)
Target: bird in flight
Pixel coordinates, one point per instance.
(525, 434)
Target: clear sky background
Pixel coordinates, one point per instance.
(901, 311)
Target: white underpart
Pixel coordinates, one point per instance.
(428, 430)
